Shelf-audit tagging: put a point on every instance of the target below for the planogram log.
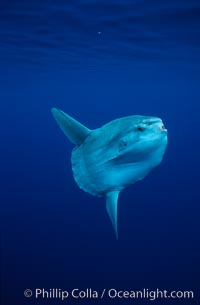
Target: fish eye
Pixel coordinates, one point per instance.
(140, 128)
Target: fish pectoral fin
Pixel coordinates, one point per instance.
(75, 131)
(111, 206)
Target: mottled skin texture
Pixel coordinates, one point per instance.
(108, 159)
(118, 154)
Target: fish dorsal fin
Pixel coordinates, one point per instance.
(75, 131)
(111, 206)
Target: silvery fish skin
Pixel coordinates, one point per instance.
(120, 153)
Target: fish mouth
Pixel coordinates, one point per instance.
(156, 122)
(162, 127)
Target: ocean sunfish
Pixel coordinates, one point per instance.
(108, 159)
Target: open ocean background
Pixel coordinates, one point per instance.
(97, 60)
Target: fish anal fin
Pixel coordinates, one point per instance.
(111, 206)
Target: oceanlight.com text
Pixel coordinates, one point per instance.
(112, 293)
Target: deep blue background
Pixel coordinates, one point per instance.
(145, 60)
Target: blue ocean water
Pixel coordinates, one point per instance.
(97, 60)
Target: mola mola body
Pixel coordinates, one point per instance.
(120, 153)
